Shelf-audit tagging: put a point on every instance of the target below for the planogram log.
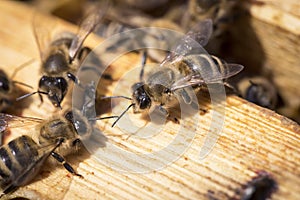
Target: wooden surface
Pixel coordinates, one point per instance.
(252, 139)
(272, 41)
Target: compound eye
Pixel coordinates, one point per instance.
(4, 85)
(62, 84)
(144, 102)
(69, 116)
(76, 142)
(43, 81)
(136, 86)
(44, 78)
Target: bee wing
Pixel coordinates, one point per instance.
(43, 29)
(87, 26)
(205, 71)
(13, 126)
(191, 43)
(12, 121)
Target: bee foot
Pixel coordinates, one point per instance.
(79, 175)
(175, 120)
(203, 111)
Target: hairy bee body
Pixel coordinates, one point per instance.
(22, 158)
(61, 55)
(57, 68)
(187, 66)
(17, 155)
(261, 91)
(163, 85)
(58, 60)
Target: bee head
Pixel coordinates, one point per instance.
(141, 100)
(79, 123)
(55, 88)
(256, 93)
(4, 83)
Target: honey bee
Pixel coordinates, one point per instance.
(8, 89)
(23, 157)
(62, 56)
(259, 90)
(221, 11)
(186, 66)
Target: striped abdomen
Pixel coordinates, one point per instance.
(17, 159)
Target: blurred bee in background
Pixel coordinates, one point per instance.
(62, 57)
(8, 89)
(23, 157)
(177, 16)
(261, 91)
(220, 11)
(262, 186)
(186, 66)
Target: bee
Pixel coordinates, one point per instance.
(185, 67)
(263, 186)
(221, 11)
(23, 157)
(62, 57)
(8, 88)
(7, 91)
(259, 90)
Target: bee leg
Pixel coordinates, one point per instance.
(67, 166)
(41, 99)
(11, 189)
(167, 114)
(202, 111)
(232, 88)
(107, 77)
(74, 79)
(143, 63)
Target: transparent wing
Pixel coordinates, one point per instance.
(96, 141)
(191, 43)
(12, 121)
(205, 71)
(13, 126)
(43, 28)
(87, 26)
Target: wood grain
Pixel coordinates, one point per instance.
(252, 139)
(276, 27)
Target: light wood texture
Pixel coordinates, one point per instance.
(252, 139)
(273, 43)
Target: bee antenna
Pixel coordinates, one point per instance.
(123, 113)
(114, 97)
(24, 84)
(143, 62)
(30, 94)
(101, 118)
(21, 67)
(252, 83)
